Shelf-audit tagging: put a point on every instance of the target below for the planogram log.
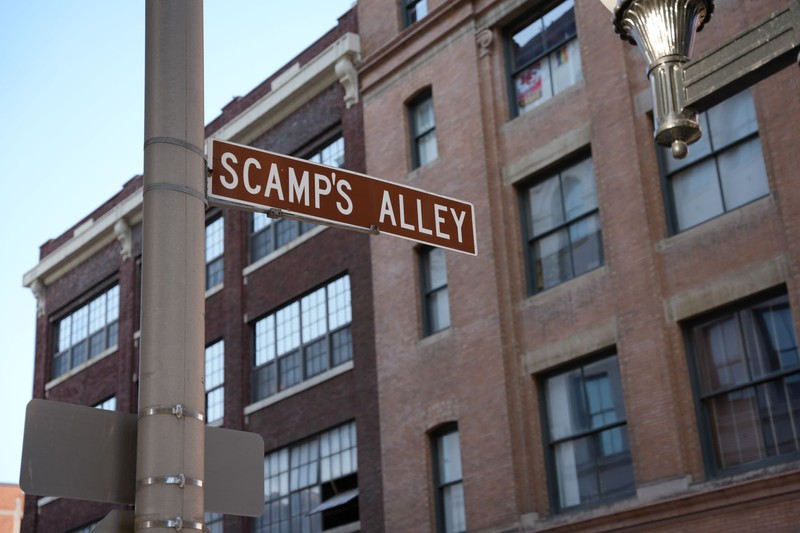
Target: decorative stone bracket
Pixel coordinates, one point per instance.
(348, 77)
(123, 232)
(39, 291)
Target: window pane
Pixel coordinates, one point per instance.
(265, 381)
(260, 221)
(771, 338)
(579, 193)
(214, 273)
(533, 85)
(314, 317)
(559, 24)
(80, 324)
(215, 365)
(779, 414)
(290, 370)
(722, 363)
(696, 194)
(603, 393)
(215, 405)
(449, 458)
(565, 65)
(287, 326)
(342, 346)
(423, 116)
(64, 332)
(565, 405)
(316, 357)
(339, 307)
(215, 239)
(546, 206)
(265, 340)
(735, 428)
(112, 304)
(427, 149)
(97, 314)
(553, 260)
(587, 244)
(286, 231)
(528, 44)
(732, 119)
(577, 480)
(614, 467)
(437, 270)
(455, 520)
(743, 175)
(439, 310)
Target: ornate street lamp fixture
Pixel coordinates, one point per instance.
(664, 31)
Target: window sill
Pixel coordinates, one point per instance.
(353, 527)
(249, 269)
(300, 387)
(214, 290)
(573, 284)
(435, 337)
(80, 368)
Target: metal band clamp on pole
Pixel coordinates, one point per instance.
(177, 523)
(181, 480)
(178, 410)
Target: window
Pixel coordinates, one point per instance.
(448, 480)
(589, 452)
(435, 307)
(414, 10)
(215, 247)
(563, 226)
(544, 57)
(311, 486)
(423, 130)
(87, 332)
(302, 339)
(109, 404)
(748, 379)
(724, 169)
(215, 381)
(331, 154)
(214, 522)
(267, 234)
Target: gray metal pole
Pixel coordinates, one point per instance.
(170, 447)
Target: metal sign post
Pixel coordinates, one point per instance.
(171, 447)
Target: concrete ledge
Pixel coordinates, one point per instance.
(663, 489)
(748, 281)
(592, 340)
(547, 155)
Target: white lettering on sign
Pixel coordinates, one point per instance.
(292, 188)
(440, 214)
(276, 184)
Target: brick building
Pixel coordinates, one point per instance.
(621, 354)
(11, 498)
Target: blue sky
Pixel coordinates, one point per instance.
(71, 108)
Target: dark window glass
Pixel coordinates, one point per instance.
(436, 306)
(588, 434)
(215, 381)
(214, 522)
(545, 57)
(748, 373)
(215, 247)
(423, 130)
(724, 169)
(414, 10)
(448, 479)
(563, 227)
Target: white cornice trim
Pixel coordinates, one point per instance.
(290, 91)
(80, 247)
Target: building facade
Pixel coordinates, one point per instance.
(620, 355)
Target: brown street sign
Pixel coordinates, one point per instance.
(246, 177)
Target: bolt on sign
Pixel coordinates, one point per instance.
(283, 186)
